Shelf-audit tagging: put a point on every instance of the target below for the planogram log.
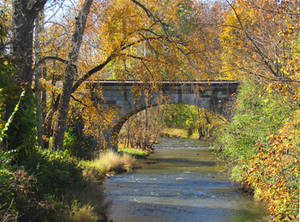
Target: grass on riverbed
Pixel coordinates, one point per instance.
(108, 162)
(178, 133)
(134, 152)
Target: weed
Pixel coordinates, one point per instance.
(84, 213)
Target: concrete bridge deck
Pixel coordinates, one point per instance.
(173, 83)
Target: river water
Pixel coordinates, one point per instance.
(181, 182)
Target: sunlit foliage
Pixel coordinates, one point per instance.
(274, 172)
(260, 41)
(261, 147)
(193, 118)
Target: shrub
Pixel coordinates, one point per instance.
(19, 200)
(257, 115)
(79, 145)
(8, 211)
(261, 144)
(84, 213)
(274, 172)
(56, 171)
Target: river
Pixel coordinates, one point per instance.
(181, 182)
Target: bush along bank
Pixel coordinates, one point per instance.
(261, 147)
(54, 186)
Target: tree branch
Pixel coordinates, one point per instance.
(91, 72)
(135, 57)
(42, 60)
(150, 15)
(35, 5)
(77, 100)
(139, 41)
(252, 41)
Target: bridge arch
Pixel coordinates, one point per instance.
(216, 96)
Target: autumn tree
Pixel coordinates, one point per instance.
(131, 40)
(70, 73)
(7, 85)
(261, 40)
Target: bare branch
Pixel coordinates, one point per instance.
(91, 72)
(135, 57)
(263, 56)
(150, 15)
(44, 59)
(79, 101)
(57, 10)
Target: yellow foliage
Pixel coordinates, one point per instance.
(274, 172)
(260, 41)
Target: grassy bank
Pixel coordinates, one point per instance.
(54, 186)
(137, 153)
(261, 147)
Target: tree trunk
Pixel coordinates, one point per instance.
(24, 14)
(190, 132)
(200, 133)
(48, 129)
(37, 75)
(63, 107)
(43, 107)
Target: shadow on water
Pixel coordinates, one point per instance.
(150, 213)
(183, 160)
(93, 195)
(179, 185)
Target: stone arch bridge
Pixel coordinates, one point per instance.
(130, 97)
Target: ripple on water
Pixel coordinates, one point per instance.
(181, 184)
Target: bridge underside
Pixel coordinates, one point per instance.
(130, 97)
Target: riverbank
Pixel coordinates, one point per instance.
(261, 146)
(54, 186)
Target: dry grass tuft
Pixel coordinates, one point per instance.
(85, 213)
(128, 162)
(108, 161)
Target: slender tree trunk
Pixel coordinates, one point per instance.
(37, 75)
(48, 129)
(200, 133)
(63, 107)
(43, 107)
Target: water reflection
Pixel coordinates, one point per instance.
(179, 184)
